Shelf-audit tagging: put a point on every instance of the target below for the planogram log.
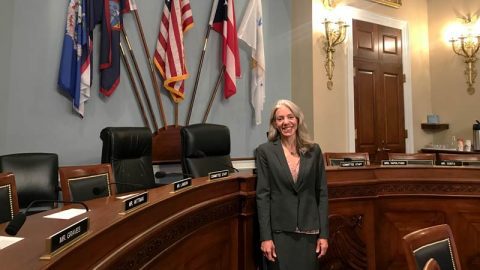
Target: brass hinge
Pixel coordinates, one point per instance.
(404, 78)
(406, 133)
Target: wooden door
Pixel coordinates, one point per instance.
(378, 90)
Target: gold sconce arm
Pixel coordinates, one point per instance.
(333, 37)
(467, 46)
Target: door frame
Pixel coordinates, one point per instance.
(367, 16)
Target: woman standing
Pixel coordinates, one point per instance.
(292, 200)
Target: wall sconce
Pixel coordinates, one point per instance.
(335, 33)
(467, 44)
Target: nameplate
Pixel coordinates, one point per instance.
(135, 201)
(394, 162)
(66, 236)
(218, 175)
(448, 163)
(181, 184)
(353, 163)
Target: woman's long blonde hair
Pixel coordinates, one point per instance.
(303, 141)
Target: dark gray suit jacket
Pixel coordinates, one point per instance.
(284, 205)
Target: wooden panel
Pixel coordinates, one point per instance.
(396, 220)
(396, 201)
(390, 50)
(217, 249)
(394, 109)
(365, 109)
(365, 40)
(166, 145)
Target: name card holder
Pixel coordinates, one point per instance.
(65, 238)
(181, 184)
(218, 175)
(353, 163)
(134, 202)
(452, 163)
(411, 162)
(394, 163)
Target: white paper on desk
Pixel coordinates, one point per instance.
(126, 196)
(6, 241)
(67, 214)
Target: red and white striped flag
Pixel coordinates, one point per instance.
(224, 23)
(169, 55)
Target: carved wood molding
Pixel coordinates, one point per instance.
(139, 255)
(385, 189)
(347, 250)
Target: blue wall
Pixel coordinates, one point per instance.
(35, 117)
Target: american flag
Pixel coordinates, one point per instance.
(224, 23)
(169, 55)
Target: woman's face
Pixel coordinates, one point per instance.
(285, 121)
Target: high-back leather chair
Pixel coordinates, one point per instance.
(36, 178)
(129, 151)
(8, 197)
(334, 159)
(86, 182)
(433, 242)
(205, 148)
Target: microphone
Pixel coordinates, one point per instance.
(201, 154)
(19, 219)
(102, 189)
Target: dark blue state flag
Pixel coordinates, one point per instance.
(110, 44)
(75, 74)
(69, 79)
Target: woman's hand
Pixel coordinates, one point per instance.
(268, 249)
(322, 246)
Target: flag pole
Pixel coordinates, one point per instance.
(134, 85)
(176, 114)
(214, 93)
(142, 83)
(150, 69)
(200, 64)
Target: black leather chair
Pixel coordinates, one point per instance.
(36, 178)
(8, 197)
(433, 242)
(86, 182)
(205, 148)
(129, 151)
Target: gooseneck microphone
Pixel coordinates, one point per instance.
(19, 219)
(102, 189)
(201, 154)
